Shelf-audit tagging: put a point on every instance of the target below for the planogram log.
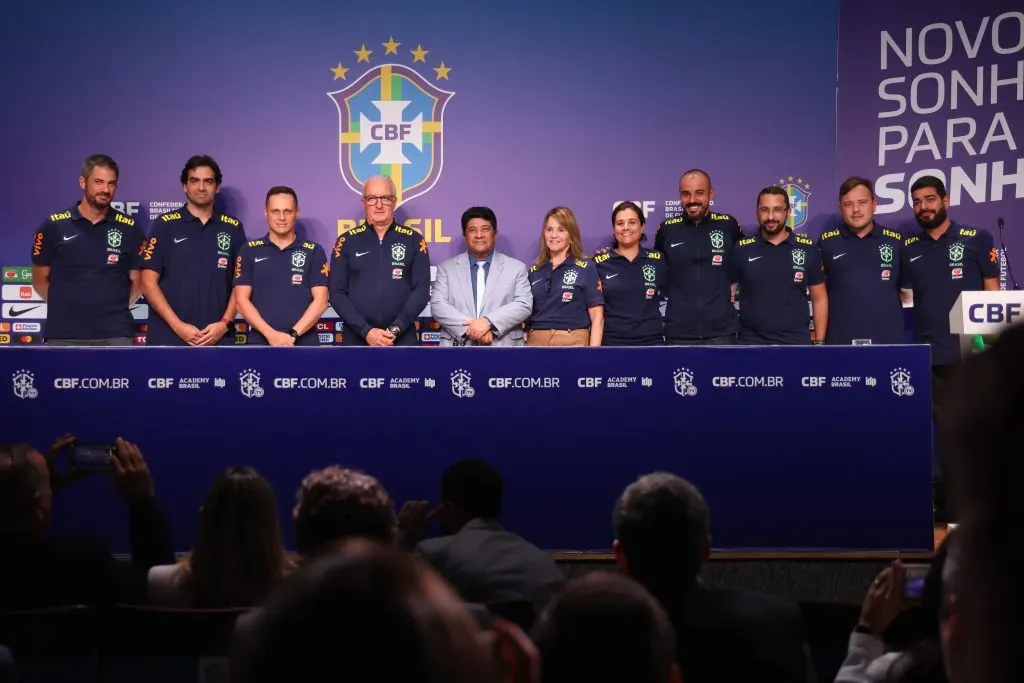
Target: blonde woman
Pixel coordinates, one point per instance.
(568, 308)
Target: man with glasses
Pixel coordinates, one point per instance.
(380, 274)
(774, 270)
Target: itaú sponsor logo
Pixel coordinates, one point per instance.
(91, 383)
(310, 383)
(523, 383)
(20, 293)
(750, 382)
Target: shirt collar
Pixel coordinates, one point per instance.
(294, 245)
(847, 232)
(76, 215)
(473, 260)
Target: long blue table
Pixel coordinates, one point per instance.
(795, 448)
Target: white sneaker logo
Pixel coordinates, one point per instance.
(361, 253)
(609, 277)
(915, 258)
(68, 238)
(262, 259)
(675, 244)
(179, 241)
(753, 258)
(839, 256)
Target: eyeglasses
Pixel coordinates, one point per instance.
(385, 199)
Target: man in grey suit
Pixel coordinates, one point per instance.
(477, 555)
(481, 297)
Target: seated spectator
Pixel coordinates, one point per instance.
(866, 659)
(365, 612)
(41, 569)
(477, 555)
(335, 504)
(238, 555)
(605, 626)
(662, 540)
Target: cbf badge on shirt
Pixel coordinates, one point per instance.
(298, 266)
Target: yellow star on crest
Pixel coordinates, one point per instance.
(419, 54)
(339, 71)
(442, 71)
(781, 180)
(391, 47)
(799, 181)
(363, 54)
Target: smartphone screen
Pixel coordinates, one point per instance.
(913, 580)
(90, 457)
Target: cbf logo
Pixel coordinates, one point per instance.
(682, 382)
(717, 239)
(298, 259)
(799, 257)
(649, 273)
(114, 238)
(462, 385)
(569, 278)
(249, 384)
(391, 120)
(899, 381)
(398, 252)
(223, 241)
(799, 194)
(24, 384)
(956, 252)
(885, 251)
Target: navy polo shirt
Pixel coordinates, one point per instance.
(632, 293)
(281, 281)
(89, 273)
(194, 262)
(561, 296)
(864, 280)
(380, 282)
(938, 270)
(699, 301)
(773, 280)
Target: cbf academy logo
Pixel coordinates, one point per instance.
(24, 384)
(799, 193)
(682, 382)
(391, 120)
(899, 381)
(462, 385)
(249, 384)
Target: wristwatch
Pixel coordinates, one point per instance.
(394, 331)
(293, 334)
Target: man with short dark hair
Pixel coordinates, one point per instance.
(84, 265)
(334, 504)
(863, 271)
(605, 626)
(662, 540)
(477, 555)
(187, 264)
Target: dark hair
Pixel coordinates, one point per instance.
(929, 181)
(772, 189)
(336, 503)
(372, 596)
(281, 189)
(610, 614)
(99, 160)
(21, 483)
(853, 182)
(199, 160)
(661, 523)
(697, 171)
(475, 486)
(479, 212)
(639, 214)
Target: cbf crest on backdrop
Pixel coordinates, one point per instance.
(936, 87)
(494, 104)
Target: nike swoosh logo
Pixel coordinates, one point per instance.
(262, 259)
(753, 258)
(609, 277)
(915, 258)
(15, 312)
(839, 256)
(675, 244)
(361, 253)
(68, 239)
(533, 282)
(179, 241)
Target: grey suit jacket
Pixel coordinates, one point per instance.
(508, 300)
(485, 563)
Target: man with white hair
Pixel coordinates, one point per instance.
(380, 274)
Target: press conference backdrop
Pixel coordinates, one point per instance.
(787, 443)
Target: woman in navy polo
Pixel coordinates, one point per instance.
(568, 309)
(632, 280)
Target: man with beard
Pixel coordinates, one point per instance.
(862, 264)
(943, 260)
(697, 246)
(84, 265)
(186, 276)
(775, 269)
